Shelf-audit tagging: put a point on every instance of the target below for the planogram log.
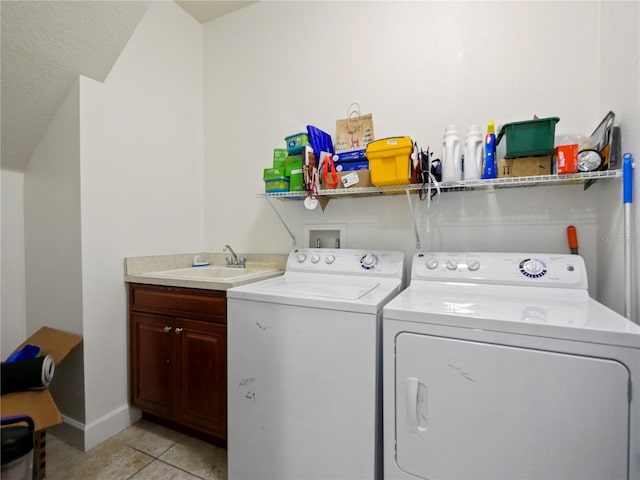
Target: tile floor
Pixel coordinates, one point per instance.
(145, 450)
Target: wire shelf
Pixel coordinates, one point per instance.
(538, 180)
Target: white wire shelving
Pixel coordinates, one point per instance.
(538, 180)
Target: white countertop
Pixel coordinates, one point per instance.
(178, 271)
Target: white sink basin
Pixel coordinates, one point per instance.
(223, 277)
(209, 272)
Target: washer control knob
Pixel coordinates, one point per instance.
(473, 265)
(301, 257)
(329, 259)
(533, 266)
(369, 261)
(432, 263)
(315, 258)
(451, 264)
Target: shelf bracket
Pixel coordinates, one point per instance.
(413, 219)
(293, 238)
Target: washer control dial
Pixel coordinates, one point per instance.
(329, 259)
(301, 257)
(369, 261)
(533, 268)
(315, 258)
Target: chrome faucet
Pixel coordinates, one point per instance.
(233, 260)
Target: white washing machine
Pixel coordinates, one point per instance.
(500, 366)
(304, 372)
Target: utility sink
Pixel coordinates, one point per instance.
(210, 276)
(208, 272)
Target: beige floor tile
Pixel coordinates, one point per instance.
(109, 460)
(158, 470)
(150, 438)
(200, 458)
(132, 453)
(61, 458)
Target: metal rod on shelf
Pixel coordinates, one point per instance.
(293, 238)
(413, 219)
(462, 185)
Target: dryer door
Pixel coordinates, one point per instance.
(475, 410)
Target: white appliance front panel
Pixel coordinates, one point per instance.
(472, 410)
(302, 393)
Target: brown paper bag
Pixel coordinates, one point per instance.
(354, 133)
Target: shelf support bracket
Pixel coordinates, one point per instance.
(413, 219)
(293, 238)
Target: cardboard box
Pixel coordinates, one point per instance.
(293, 165)
(38, 404)
(279, 158)
(565, 159)
(525, 166)
(362, 179)
(355, 165)
(273, 173)
(350, 156)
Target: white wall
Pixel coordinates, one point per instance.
(13, 326)
(619, 81)
(52, 244)
(118, 173)
(416, 66)
(142, 188)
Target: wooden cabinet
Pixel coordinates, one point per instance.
(178, 356)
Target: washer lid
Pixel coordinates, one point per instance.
(333, 290)
(336, 292)
(547, 312)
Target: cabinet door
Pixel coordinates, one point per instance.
(151, 362)
(200, 399)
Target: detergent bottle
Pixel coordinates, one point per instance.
(472, 168)
(451, 160)
(489, 170)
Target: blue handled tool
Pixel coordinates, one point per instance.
(627, 200)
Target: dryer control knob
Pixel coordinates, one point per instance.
(315, 258)
(432, 263)
(301, 257)
(451, 264)
(329, 259)
(473, 265)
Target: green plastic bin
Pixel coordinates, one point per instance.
(530, 138)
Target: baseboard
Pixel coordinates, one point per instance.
(87, 436)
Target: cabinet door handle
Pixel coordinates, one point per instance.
(178, 331)
(167, 329)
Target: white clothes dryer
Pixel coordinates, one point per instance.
(304, 368)
(500, 366)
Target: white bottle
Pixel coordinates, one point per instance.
(473, 153)
(451, 160)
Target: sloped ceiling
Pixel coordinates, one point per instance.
(45, 45)
(205, 11)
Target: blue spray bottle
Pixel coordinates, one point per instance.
(489, 170)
